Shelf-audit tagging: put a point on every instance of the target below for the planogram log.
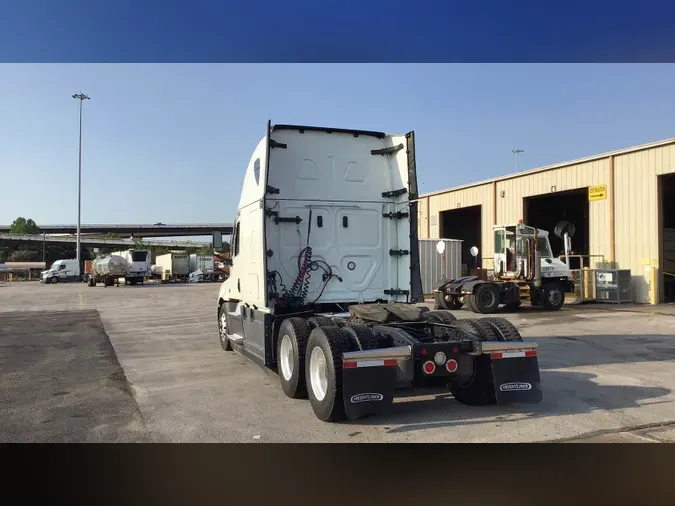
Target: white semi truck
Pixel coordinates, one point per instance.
(325, 279)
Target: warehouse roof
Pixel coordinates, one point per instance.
(555, 166)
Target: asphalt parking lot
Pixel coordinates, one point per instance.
(143, 363)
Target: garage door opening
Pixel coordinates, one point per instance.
(546, 211)
(464, 224)
(667, 236)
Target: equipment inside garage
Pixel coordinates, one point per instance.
(546, 211)
(464, 224)
(667, 184)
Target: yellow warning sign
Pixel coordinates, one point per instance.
(597, 192)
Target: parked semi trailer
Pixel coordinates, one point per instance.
(139, 263)
(175, 267)
(108, 270)
(324, 281)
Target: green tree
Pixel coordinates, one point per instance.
(23, 226)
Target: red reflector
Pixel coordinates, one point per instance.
(349, 365)
(496, 355)
(455, 350)
(531, 353)
(393, 361)
(429, 367)
(424, 352)
(451, 365)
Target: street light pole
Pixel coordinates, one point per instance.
(516, 151)
(81, 97)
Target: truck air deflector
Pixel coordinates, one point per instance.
(301, 129)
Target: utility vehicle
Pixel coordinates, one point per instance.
(525, 271)
(325, 285)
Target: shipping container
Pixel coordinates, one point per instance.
(432, 267)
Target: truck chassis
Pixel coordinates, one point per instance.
(349, 365)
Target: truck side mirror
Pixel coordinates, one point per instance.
(217, 239)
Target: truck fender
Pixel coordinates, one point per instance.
(452, 285)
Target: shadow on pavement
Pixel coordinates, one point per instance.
(565, 393)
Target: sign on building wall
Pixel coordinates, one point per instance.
(598, 192)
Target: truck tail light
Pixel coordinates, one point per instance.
(429, 367)
(451, 365)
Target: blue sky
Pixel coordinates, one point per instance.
(169, 142)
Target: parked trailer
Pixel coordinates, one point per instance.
(107, 269)
(175, 267)
(346, 238)
(139, 262)
(206, 265)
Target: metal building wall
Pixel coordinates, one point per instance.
(510, 208)
(476, 195)
(637, 213)
(431, 266)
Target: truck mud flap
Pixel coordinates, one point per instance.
(516, 377)
(368, 387)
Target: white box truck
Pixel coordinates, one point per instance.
(174, 267)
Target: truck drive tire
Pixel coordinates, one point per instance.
(448, 302)
(319, 321)
(291, 346)
(478, 388)
(225, 343)
(553, 296)
(486, 298)
(323, 371)
(444, 317)
(363, 337)
(504, 329)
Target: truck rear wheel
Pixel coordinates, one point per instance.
(225, 343)
(553, 296)
(323, 371)
(476, 388)
(363, 337)
(486, 298)
(319, 321)
(291, 347)
(448, 302)
(443, 317)
(505, 330)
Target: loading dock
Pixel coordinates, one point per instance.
(464, 224)
(546, 211)
(621, 203)
(667, 236)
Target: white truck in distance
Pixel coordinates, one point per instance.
(174, 267)
(325, 279)
(62, 270)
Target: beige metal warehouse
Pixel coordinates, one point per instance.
(630, 199)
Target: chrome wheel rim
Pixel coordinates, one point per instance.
(318, 373)
(286, 357)
(222, 326)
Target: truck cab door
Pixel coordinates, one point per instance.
(235, 326)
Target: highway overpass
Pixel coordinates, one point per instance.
(156, 230)
(6, 239)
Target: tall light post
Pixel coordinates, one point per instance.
(516, 151)
(81, 97)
